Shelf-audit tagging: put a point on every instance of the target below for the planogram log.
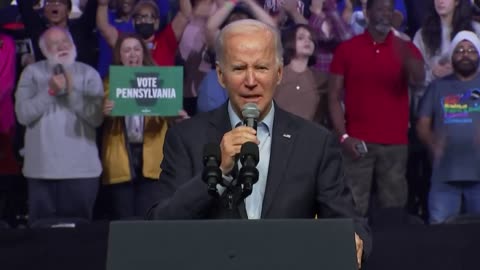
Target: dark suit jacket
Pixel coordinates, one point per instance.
(305, 176)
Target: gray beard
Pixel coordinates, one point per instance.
(383, 28)
(53, 60)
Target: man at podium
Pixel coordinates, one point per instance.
(300, 173)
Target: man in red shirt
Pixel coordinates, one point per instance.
(374, 69)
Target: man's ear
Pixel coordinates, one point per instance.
(280, 74)
(220, 74)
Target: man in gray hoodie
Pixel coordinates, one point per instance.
(59, 101)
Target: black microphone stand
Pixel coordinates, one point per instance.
(231, 195)
(248, 176)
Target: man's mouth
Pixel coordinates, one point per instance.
(252, 98)
(62, 54)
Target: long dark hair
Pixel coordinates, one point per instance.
(147, 57)
(289, 41)
(432, 26)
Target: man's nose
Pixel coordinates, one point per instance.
(63, 46)
(250, 79)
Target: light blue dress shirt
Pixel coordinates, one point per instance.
(254, 202)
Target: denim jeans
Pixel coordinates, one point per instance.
(445, 199)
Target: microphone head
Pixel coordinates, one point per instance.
(475, 94)
(58, 69)
(212, 150)
(249, 149)
(250, 110)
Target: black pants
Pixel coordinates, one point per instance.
(65, 198)
(133, 199)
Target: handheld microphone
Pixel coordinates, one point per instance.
(250, 115)
(475, 94)
(58, 69)
(212, 174)
(248, 175)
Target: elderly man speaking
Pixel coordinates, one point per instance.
(59, 101)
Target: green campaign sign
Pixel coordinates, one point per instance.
(147, 90)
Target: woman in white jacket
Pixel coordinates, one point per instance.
(446, 18)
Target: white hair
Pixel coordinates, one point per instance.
(245, 26)
(42, 40)
(464, 36)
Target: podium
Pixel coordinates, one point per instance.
(325, 244)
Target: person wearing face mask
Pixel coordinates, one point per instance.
(55, 13)
(146, 20)
(449, 126)
(372, 72)
(131, 146)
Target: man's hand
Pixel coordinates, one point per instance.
(442, 70)
(203, 8)
(58, 84)
(231, 144)
(182, 115)
(437, 147)
(316, 7)
(359, 248)
(350, 146)
(103, 2)
(289, 5)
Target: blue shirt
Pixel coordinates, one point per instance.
(455, 113)
(254, 202)
(104, 51)
(211, 94)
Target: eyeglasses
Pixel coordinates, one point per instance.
(146, 18)
(465, 51)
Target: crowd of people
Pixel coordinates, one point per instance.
(395, 82)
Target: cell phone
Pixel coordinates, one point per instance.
(362, 148)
